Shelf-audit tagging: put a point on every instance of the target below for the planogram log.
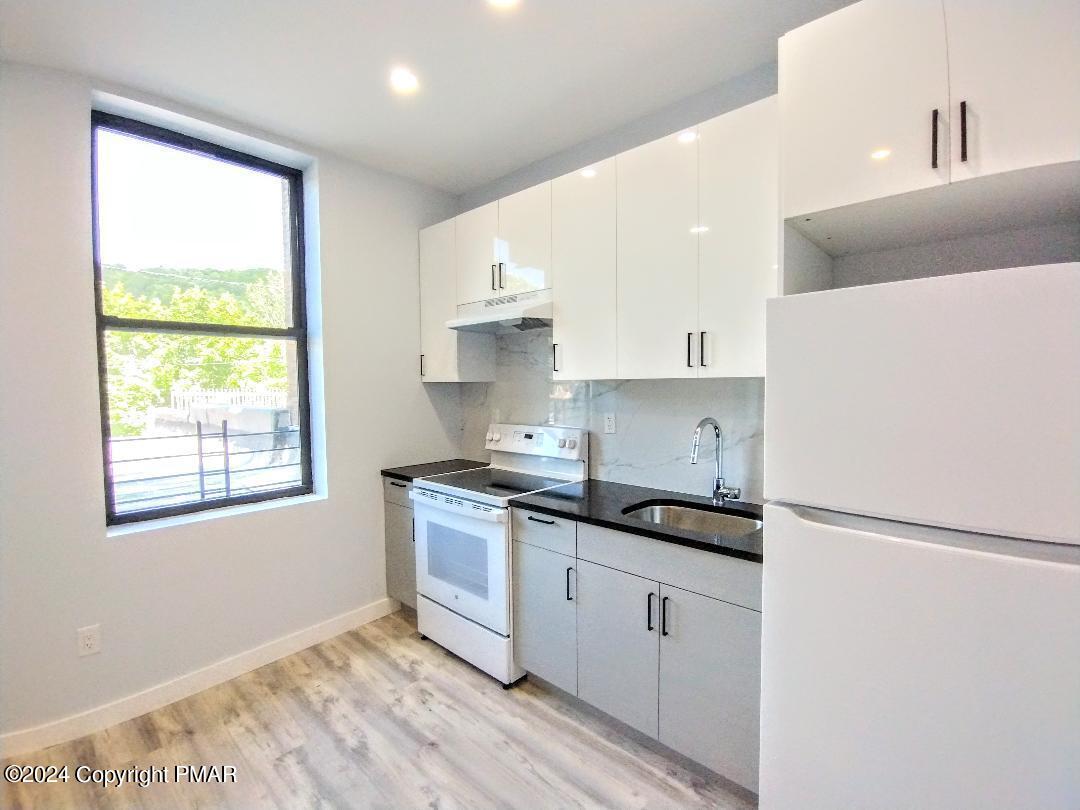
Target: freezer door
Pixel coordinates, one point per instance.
(909, 667)
(950, 401)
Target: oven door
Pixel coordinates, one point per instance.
(462, 557)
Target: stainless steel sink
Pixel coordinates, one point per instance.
(695, 518)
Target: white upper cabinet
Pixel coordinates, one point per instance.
(858, 91)
(525, 241)
(738, 232)
(1016, 67)
(447, 355)
(583, 268)
(657, 247)
(477, 254)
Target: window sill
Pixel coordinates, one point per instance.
(210, 514)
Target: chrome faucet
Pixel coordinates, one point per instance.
(720, 492)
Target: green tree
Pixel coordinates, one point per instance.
(145, 368)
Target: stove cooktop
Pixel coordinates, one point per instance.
(490, 482)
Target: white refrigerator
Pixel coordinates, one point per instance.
(921, 591)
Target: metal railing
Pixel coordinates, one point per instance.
(219, 464)
(206, 397)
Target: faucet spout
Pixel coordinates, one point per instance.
(720, 492)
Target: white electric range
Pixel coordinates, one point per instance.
(463, 544)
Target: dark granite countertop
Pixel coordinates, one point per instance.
(412, 471)
(601, 503)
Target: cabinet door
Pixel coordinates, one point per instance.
(438, 303)
(525, 240)
(739, 191)
(618, 644)
(1017, 65)
(657, 255)
(445, 354)
(583, 273)
(857, 91)
(477, 253)
(710, 683)
(400, 554)
(545, 623)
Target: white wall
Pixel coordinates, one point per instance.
(1014, 247)
(172, 600)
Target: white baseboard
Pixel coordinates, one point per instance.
(16, 743)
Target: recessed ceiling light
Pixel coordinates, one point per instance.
(699, 229)
(588, 173)
(502, 4)
(687, 137)
(880, 154)
(404, 81)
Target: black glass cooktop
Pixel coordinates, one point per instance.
(493, 481)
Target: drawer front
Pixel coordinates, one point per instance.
(704, 572)
(553, 533)
(395, 491)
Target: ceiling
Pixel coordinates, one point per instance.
(498, 89)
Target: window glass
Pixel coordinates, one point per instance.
(184, 237)
(202, 341)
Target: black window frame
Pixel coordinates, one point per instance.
(297, 332)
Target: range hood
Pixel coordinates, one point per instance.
(506, 314)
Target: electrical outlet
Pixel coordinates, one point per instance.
(609, 423)
(89, 639)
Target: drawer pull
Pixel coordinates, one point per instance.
(569, 598)
(538, 520)
(663, 616)
(933, 138)
(397, 484)
(648, 612)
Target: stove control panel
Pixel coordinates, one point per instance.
(551, 441)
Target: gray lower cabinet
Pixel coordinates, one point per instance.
(676, 664)
(545, 618)
(618, 644)
(400, 554)
(710, 683)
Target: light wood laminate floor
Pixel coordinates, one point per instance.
(378, 718)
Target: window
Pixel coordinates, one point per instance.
(201, 323)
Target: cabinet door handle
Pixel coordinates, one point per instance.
(933, 138)
(502, 285)
(421, 365)
(648, 612)
(663, 616)
(689, 341)
(396, 484)
(493, 276)
(701, 349)
(569, 598)
(539, 520)
(963, 132)
(554, 360)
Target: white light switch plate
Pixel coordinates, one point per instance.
(609, 423)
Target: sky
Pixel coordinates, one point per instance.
(163, 207)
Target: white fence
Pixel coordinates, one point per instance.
(186, 400)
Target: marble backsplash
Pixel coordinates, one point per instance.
(655, 419)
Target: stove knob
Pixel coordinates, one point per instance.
(496, 437)
(562, 442)
(489, 436)
(571, 443)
